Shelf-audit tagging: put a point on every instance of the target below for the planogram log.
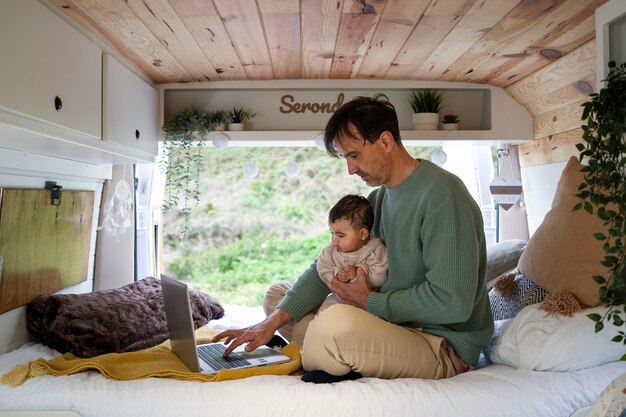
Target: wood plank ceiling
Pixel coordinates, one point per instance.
(541, 51)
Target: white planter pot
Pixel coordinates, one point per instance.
(425, 121)
(450, 126)
(235, 126)
(220, 127)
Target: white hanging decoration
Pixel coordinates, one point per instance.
(250, 170)
(439, 157)
(118, 211)
(292, 168)
(506, 190)
(220, 140)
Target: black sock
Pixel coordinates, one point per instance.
(321, 377)
(276, 341)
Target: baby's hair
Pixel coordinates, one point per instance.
(354, 207)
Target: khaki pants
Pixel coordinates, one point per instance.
(343, 338)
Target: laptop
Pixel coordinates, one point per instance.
(206, 358)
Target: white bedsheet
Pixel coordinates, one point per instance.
(494, 390)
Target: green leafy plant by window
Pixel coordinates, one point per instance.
(239, 115)
(181, 161)
(425, 101)
(450, 118)
(604, 190)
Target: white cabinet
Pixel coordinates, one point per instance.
(51, 93)
(130, 109)
(50, 72)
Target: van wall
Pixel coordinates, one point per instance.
(27, 170)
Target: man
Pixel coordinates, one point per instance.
(432, 316)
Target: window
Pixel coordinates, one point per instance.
(248, 233)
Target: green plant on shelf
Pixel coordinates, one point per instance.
(450, 118)
(239, 115)
(181, 160)
(425, 101)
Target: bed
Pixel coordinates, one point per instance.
(492, 390)
(538, 364)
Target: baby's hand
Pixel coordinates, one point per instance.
(347, 274)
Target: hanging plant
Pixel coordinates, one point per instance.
(604, 190)
(181, 161)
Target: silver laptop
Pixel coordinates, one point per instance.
(207, 358)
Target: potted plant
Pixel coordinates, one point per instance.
(181, 160)
(237, 116)
(450, 122)
(218, 120)
(426, 105)
(604, 192)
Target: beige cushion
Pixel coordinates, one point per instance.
(563, 255)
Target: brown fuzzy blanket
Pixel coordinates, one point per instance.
(124, 319)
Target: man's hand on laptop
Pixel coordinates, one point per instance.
(255, 335)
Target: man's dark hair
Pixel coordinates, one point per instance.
(354, 207)
(371, 116)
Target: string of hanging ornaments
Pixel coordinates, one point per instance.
(251, 170)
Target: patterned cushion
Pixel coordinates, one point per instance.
(527, 293)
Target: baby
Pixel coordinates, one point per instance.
(351, 246)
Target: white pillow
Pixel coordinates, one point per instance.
(535, 340)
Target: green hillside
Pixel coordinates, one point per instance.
(247, 233)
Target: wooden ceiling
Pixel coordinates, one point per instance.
(495, 42)
(541, 51)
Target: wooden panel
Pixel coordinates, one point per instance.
(560, 120)
(578, 64)
(283, 40)
(525, 48)
(494, 42)
(355, 33)
(468, 32)
(526, 28)
(161, 19)
(44, 248)
(557, 98)
(320, 20)
(551, 149)
(207, 28)
(84, 19)
(243, 23)
(517, 69)
(409, 62)
(120, 22)
(396, 24)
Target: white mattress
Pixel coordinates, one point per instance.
(494, 390)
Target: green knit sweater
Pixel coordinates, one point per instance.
(433, 231)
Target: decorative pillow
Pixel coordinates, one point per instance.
(536, 341)
(562, 255)
(123, 319)
(502, 257)
(526, 292)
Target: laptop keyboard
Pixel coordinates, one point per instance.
(212, 354)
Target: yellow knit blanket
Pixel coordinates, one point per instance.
(158, 361)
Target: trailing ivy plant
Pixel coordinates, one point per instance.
(181, 161)
(604, 191)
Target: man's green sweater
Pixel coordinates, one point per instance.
(433, 231)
